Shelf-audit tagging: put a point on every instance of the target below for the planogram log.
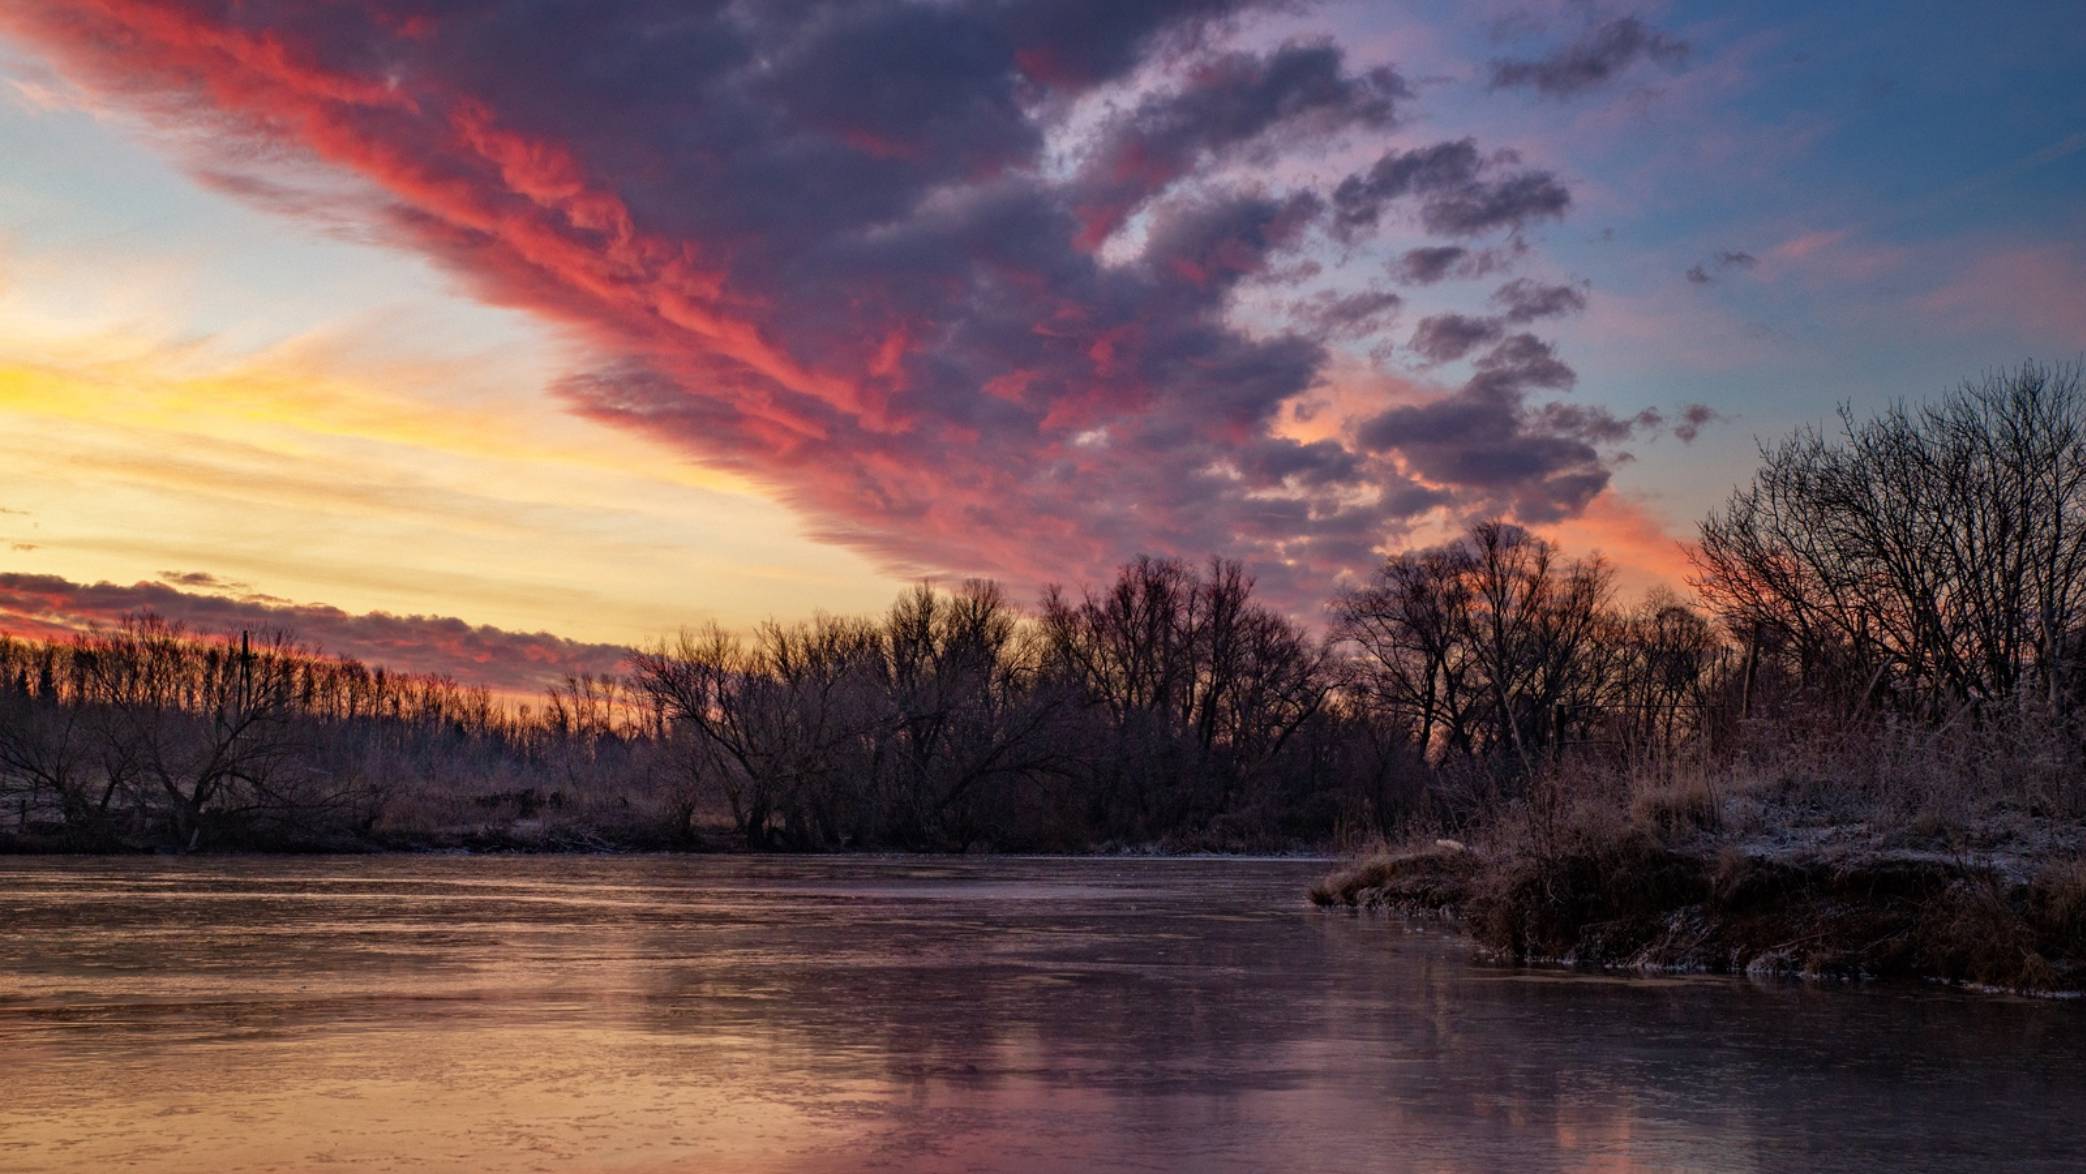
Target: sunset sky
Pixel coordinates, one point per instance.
(478, 337)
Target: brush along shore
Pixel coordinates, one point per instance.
(1834, 902)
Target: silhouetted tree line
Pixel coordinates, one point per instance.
(1926, 566)
(1172, 705)
(1491, 659)
(1929, 562)
(149, 734)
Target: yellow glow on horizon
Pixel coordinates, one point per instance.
(323, 469)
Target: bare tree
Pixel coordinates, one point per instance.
(205, 722)
(1930, 559)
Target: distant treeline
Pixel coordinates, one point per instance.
(1925, 567)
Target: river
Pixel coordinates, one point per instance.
(908, 1013)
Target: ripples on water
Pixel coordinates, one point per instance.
(923, 1014)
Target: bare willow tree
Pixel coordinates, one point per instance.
(1198, 689)
(1534, 626)
(1412, 666)
(967, 715)
(1492, 646)
(54, 746)
(746, 727)
(1931, 559)
(206, 722)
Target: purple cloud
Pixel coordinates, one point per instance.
(1523, 301)
(1330, 316)
(1700, 272)
(1444, 338)
(851, 251)
(1693, 419)
(1228, 104)
(1429, 264)
(1591, 61)
(1460, 192)
(1541, 462)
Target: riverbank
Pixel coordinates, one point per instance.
(1838, 902)
(560, 831)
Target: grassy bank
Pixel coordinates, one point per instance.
(1764, 877)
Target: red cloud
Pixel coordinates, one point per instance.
(855, 281)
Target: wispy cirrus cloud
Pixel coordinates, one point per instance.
(2034, 291)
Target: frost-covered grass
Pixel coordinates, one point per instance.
(1903, 859)
(1428, 875)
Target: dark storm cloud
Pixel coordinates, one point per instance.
(1591, 61)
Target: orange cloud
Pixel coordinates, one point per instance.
(1643, 549)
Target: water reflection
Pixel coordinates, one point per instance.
(762, 1014)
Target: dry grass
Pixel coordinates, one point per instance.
(1587, 890)
(1434, 876)
(2056, 908)
(1880, 855)
(1680, 809)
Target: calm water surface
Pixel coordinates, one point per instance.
(922, 1014)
